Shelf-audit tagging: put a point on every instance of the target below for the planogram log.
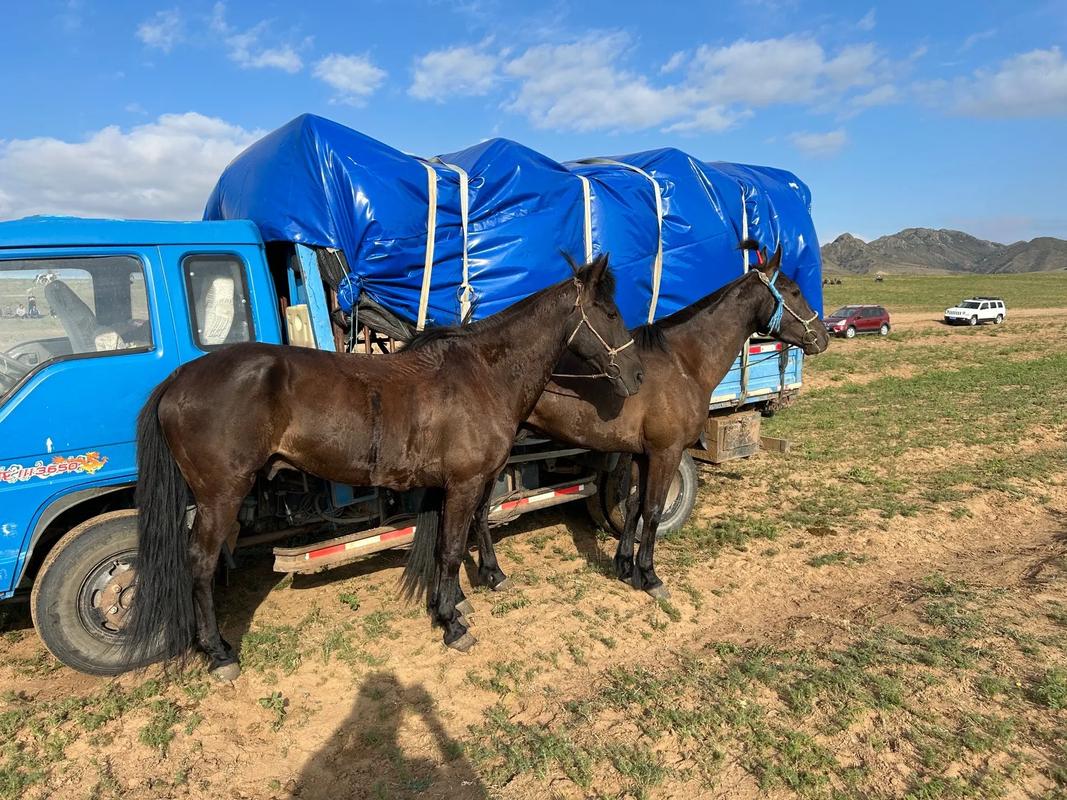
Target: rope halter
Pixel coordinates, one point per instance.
(774, 324)
(613, 370)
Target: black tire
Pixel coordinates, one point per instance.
(850, 332)
(681, 498)
(82, 592)
(972, 321)
(884, 330)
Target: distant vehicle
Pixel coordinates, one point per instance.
(975, 310)
(847, 321)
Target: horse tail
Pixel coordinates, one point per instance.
(420, 571)
(163, 616)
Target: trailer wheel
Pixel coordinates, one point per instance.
(82, 594)
(681, 498)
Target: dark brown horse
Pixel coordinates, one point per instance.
(443, 412)
(685, 355)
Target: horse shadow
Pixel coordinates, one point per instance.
(366, 756)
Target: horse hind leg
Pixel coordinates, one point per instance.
(489, 572)
(216, 521)
(459, 506)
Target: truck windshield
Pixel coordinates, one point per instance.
(969, 304)
(54, 308)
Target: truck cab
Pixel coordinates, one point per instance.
(117, 306)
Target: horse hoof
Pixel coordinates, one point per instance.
(227, 673)
(503, 586)
(658, 592)
(464, 607)
(464, 643)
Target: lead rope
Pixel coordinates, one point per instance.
(611, 351)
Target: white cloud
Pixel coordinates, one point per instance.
(1032, 84)
(354, 77)
(975, 38)
(674, 63)
(820, 145)
(585, 85)
(868, 21)
(580, 87)
(163, 169)
(246, 48)
(463, 71)
(162, 31)
(792, 69)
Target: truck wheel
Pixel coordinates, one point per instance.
(850, 332)
(82, 594)
(884, 330)
(681, 498)
(999, 319)
(973, 321)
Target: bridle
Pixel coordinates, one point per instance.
(774, 325)
(613, 370)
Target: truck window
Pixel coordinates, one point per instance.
(218, 300)
(54, 308)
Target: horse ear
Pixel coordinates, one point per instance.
(771, 265)
(571, 262)
(597, 267)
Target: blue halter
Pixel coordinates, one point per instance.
(774, 324)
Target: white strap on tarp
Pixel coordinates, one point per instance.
(587, 228)
(744, 226)
(431, 233)
(466, 291)
(657, 262)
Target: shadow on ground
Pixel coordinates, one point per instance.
(368, 755)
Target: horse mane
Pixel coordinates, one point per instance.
(650, 337)
(440, 333)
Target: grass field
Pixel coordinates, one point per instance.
(935, 293)
(879, 613)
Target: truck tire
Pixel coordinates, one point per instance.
(82, 593)
(681, 498)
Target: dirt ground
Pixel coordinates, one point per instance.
(903, 638)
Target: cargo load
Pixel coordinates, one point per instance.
(467, 234)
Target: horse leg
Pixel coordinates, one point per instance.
(459, 505)
(660, 472)
(489, 572)
(624, 555)
(216, 520)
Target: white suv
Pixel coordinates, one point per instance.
(975, 310)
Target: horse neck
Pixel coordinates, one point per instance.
(709, 341)
(523, 348)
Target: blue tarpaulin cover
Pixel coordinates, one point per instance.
(318, 183)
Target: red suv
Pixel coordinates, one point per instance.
(847, 321)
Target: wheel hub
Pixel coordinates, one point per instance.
(113, 595)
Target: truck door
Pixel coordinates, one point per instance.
(81, 347)
(214, 298)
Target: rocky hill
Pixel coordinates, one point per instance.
(925, 250)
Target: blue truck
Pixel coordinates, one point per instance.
(120, 304)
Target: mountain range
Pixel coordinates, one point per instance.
(941, 251)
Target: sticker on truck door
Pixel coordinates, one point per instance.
(89, 463)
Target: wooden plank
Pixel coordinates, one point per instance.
(773, 444)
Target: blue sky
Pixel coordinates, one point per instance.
(896, 114)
